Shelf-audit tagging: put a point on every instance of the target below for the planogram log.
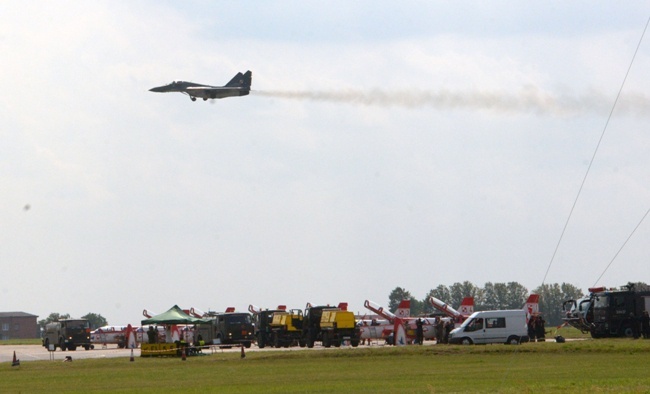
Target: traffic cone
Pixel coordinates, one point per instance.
(131, 359)
(183, 354)
(243, 354)
(15, 362)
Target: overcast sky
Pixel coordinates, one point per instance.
(385, 144)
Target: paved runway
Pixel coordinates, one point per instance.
(36, 352)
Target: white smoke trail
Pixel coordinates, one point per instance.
(528, 100)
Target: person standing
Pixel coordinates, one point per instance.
(645, 325)
(634, 323)
(419, 331)
(440, 329)
(540, 330)
(531, 328)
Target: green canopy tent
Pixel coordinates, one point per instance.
(174, 315)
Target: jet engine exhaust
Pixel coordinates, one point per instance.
(528, 100)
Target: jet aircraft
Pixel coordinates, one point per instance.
(240, 85)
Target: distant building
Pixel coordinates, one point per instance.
(18, 325)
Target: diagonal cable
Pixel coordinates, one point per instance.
(593, 157)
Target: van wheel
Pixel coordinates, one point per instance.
(513, 340)
(466, 341)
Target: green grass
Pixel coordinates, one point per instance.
(608, 365)
(13, 342)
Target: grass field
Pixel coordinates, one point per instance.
(32, 341)
(607, 365)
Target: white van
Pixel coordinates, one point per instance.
(507, 326)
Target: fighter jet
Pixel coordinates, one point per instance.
(240, 85)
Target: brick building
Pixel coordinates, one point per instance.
(18, 325)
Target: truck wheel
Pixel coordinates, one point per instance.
(86, 347)
(513, 340)
(247, 345)
(327, 342)
(72, 348)
(260, 341)
(301, 343)
(47, 343)
(627, 331)
(62, 345)
(336, 343)
(276, 340)
(466, 341)
(354, 342)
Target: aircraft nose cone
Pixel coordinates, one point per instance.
(159, 89)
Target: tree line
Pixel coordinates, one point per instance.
(492, 296)
(95, 319)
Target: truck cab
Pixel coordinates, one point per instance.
(234, 328)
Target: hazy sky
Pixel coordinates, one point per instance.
(385, 144)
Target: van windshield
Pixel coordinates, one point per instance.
(473, 324)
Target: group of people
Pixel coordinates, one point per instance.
(536, 328)
(443, 328)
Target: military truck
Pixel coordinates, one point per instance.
(329, 325)
(233, 328)
(262, 320)
(67, 334)
(286, 328)
(616, 313)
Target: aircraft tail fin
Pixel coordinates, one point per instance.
(404, 309)
(532, 304)
(241, 80)
(467, 306)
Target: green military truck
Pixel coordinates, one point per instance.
(67, 334)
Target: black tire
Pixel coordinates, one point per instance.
(466, 341)
(276, 340)
(47, 344)
(247, 345)
(86, 347)
(309, 340)
(301, 343)
(260, 341)
(627, 331)
(62, 345)
(513, 340)
(354, 342)
(327, 341)
(336, 343)
(72, 348)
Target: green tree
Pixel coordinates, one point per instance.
(441, 292)
(52, 318)
(496, 295)
(396, 296)
(417, 307)
(551, 298)
(96, 320)
(511, 295)
(516, 296)
(458, 291)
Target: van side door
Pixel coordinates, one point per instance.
(495, 330)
